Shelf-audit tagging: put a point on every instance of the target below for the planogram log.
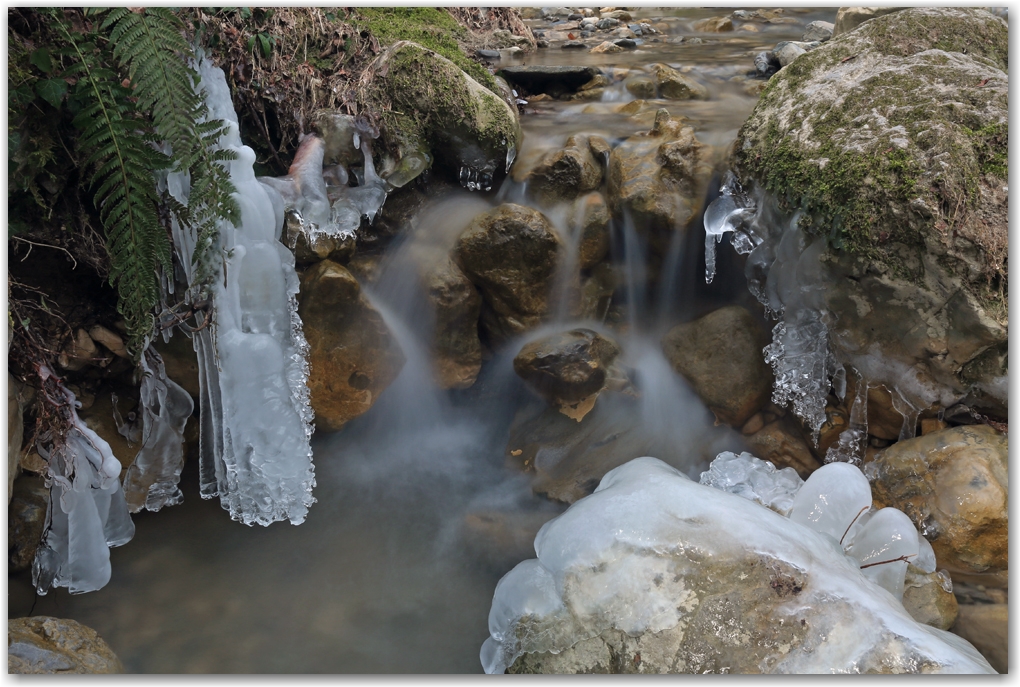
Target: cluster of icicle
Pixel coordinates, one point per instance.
(87, 511)
(332, 210)
(619, 560)
(255, 411)
(785, 274)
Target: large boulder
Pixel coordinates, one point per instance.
(954, 485)
(891, 140)
(590, 219)
(658, 179)
(55, 646)
(428, 102)
(720, 356)
(353, 356)
(511, 254)
(655, 573)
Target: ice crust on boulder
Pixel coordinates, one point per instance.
(628, 558)
(754, 479)
(151, 480)
(255, 411)
(87, 512)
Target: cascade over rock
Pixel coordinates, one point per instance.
(352, 354)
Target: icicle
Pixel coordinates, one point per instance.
(253, 370)
(151, 480)
(87, 512)
(850, 446)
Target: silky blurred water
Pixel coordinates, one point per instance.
(380, 578)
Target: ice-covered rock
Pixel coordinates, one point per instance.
(87, 512)
(656, 573)
(754, 479)
(255, 412)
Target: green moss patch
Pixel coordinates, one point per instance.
(430, 27)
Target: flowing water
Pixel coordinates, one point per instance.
(384, 575)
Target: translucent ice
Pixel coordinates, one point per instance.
(754, 479)
(255, 411)
(87, 512)
(832, 501)
(630, 558)
(883, 546)
(151, 480)
(724, 215)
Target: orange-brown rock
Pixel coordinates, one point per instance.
(954, 485)
(353, 355)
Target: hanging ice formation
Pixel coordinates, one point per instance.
(255, 412)
(151, 480)
(333, 210)
(87, 513)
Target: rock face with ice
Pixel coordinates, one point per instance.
(87, 511)
(256, 417)
(913, 224)
(655, 573)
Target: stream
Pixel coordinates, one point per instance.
(386, 575)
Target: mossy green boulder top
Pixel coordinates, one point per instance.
(895, 132)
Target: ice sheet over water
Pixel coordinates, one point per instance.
(255, 410)
(87, 512)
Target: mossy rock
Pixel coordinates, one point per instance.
(425, 98)
(894, 136)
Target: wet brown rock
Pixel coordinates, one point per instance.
(927, 600)
(112, 341)
(54, 646)
(26, 520)
(954, 485)
(720, 356)
(510, 253)
(564, 174)
(676, 86)
(606, 47)
(180, 362)
(782, 443)
(353, 355)
(640, 86)
(568, 369)
(714, 25)
(986, 626)
(836, 422)
(658, 179)
(80, 351)
(597, 293)
(456, 349)
(591, 218)
(100, 419)
(312, 249)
